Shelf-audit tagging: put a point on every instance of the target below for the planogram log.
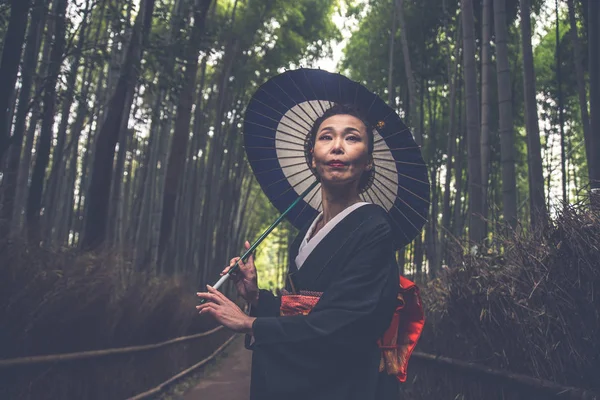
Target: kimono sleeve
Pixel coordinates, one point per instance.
(268, 305)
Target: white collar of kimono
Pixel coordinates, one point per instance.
(306, 247)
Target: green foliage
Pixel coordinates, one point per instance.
(548, 96)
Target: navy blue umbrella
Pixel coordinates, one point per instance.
(276, 124)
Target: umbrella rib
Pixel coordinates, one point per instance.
(400, 173)
(391, 112)
(286, 178)
(278, 168)
(274, 147)
(291, 109)
(400, 198)
(392, 135)
(271, 129)
(400, 211)
(279, 122)
(278, 112)
(313, 90)
(291, 187)
(339, 76)
(396, 149)
(290, 97)
(401, 162)
(305, 98)
(272, 138)
(371, 106)
(324, 88)
(306, 203)
(394, 205)
(409, 191)
(370, 198)
(276, 158)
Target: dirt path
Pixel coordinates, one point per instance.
(230, 380)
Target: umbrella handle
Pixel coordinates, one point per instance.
(248, 252)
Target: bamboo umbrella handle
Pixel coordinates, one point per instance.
(248, 252)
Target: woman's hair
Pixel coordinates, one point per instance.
(342, 109)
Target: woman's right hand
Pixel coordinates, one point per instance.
(244, 277)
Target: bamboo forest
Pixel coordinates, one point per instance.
(127, 186)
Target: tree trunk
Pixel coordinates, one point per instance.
(390, 82)
(457, 222)
(561, 119)
(594, 71)
(36, 188)
(476, 223)
(534, 152)
(177, 157)
(145, 215)
(507, 140)
(581, 89)
(57, 175)
(66, 190)
(9, 66)
(119, 166)
(434, 261)
(75, 209)
(453, 79)
(146, 192)
(26, 156)
(215, 155)
(410, 77)
(99, 190)
(29, 66)
(486, 101)
(160, 177)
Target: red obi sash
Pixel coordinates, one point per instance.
(398, 341)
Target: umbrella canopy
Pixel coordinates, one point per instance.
(278, 120)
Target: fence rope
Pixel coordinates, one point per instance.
(157, 389)
(525, 380)
(532, 382)
(57, 358)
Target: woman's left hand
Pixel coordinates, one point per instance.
(225, 311)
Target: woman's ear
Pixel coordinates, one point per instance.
(369, 165)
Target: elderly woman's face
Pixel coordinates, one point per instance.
(341, 152)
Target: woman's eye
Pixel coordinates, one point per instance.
(324, 137)
(353, 138)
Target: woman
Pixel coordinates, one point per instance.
(347, 254)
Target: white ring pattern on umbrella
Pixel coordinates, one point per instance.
(301, 117)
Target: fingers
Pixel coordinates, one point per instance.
(218, 297)
(231, 264)
(206, 307)
(212, 296)
(242, 266)
(251, 257)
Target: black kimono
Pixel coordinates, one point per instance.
(332, 352)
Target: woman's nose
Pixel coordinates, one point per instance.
(337, 146)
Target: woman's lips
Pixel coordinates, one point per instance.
(336, 164)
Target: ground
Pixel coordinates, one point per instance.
(227, 378)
